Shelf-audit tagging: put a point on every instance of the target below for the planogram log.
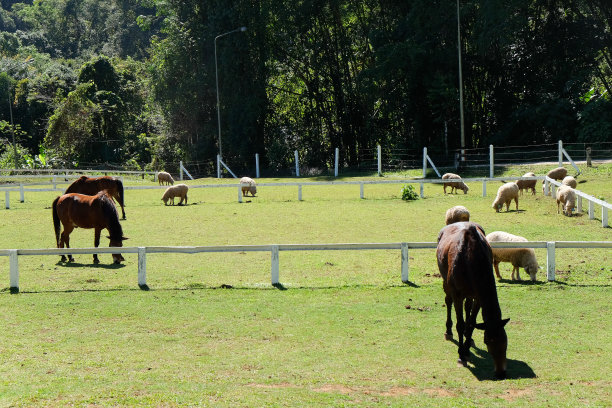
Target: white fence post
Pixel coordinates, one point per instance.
(14, 271)
(424, 162)
(379, 153)
(181, 170)
(405, 260)
(142, 268)
(336, 162)
(54, 183)
(240, 193)
(560, 153)
(550, 261)
(491, 162)
(591, 210)
(299, 192)
(274, 270)
(257, 165)
(21, 193)
(7, 199)
(546, 187)
(218, 166)
(604, 216)
(361, 190)
(422, 192)
(484, 188)
(297, 164)
(579, 204)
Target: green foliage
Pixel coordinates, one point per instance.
(408, 193)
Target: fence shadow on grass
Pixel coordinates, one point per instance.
(482, 367)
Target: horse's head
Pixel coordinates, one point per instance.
(497, 342)
(117, 242)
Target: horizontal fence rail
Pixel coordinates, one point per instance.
(548, 182)
(275, 249)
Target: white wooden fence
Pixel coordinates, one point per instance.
(275, 249)
(592, 201)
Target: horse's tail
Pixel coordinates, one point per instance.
(120, 191)
(56, 222)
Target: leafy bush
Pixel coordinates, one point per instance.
(408, 193)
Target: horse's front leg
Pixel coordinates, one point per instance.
(449, 321)
(96, 244)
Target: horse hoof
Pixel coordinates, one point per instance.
(448, 336)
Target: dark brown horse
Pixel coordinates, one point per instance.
(85, 211)
(91, 186)
(464, 260)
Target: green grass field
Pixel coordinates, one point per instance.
(343, 330)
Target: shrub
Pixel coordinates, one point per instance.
(408, 193)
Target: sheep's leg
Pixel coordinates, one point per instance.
(516, 202)
(518, 276)
(449, 321)
(496, 267)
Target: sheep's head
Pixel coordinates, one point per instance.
(465, 189)
(532, 269)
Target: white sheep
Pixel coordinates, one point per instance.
(248, 185)
(180, 190)
(518, 257)
(164, 178)
(505, 195)
(527, 184)
(567, 197)
(569, 181)
(457, 213)
(558, 173)
(457, 185)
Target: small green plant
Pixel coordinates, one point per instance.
(408, 193)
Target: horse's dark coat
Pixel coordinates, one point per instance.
(464, 260)
(92, 185)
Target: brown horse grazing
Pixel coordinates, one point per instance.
(91, 186)
(84, 211)
(464, 260)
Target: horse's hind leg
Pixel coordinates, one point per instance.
(464, 352)
(449, 321)
(65, 240)
(470, 320)
(96, 244)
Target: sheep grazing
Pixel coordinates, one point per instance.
(518, 257)
(457, 213)
(558, 173)
(248, 185)
(180, 190)
(567, 197)
(505, 195)
(457, 185)
(164, 178)
(569, 181)
(527, 184)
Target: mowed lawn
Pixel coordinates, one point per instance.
(342, 330)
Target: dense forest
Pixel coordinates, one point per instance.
(134, 82)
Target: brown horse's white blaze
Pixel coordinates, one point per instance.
(84, 211)
(464, 260)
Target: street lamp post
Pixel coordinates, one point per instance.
(217, 82)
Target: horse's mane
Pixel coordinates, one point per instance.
(110, 213)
